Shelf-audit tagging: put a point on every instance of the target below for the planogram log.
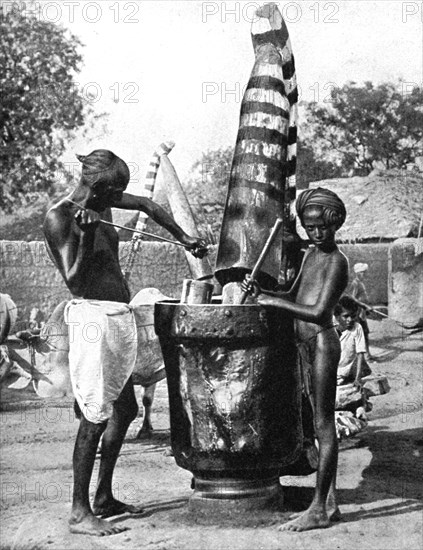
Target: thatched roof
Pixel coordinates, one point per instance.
(385, 205)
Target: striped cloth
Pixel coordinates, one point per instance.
(262, 181)
(150, 180)
(276, 82)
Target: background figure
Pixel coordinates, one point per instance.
(37, 319)
(358, 292)
(352, 365)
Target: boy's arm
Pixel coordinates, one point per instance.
(160, 216)
(360, 346)
(277, 294)
(335, 282)
(285, 294)
(362, 304)
(252, 287)
(292, 292)
(360, 361)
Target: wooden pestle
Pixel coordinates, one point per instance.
(264, 252)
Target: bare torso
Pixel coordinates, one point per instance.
(88, 260)
(317, 270)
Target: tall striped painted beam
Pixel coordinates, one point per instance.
(262, 180)
(149, 183)
(271, 17)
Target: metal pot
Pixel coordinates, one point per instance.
(234, 396)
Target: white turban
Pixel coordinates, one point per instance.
(360, 268)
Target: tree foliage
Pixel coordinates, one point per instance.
(207, 187)
(311, 167)
(366, 127)
(41, 104)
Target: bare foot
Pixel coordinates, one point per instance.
(332, 508)
(310, 519)
(114, 507)
(90, 525)
(146, 432)
(335, 515)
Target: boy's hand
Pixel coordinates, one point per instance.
(87, 219)
(196, 246)
(250, 286)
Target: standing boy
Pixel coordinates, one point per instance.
(86, 252)
(320, 283)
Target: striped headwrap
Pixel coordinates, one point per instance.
(334, 211)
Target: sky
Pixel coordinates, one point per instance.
(176, 69)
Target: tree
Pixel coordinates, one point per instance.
(41, 104)
(207, 187)
(311, 168)
(209, 177)
(366, 126)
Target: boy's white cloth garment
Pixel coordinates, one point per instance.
(102, 353)
(352, 342)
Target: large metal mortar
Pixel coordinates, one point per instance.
(234, 396)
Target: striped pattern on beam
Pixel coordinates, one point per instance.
(262, 181)
(270, 29)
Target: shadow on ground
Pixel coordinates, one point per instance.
(395, 471)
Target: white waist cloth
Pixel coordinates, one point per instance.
(102, 353)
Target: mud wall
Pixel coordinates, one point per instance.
(31, 279)
(29, 276)
(405, 289)
(376, 256)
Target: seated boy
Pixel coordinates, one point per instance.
(352, 365)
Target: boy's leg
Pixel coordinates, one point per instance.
(366, 331)
(332, 508)
(324, 390)
(125, 411)
(82, 519)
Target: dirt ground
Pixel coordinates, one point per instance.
(380, 476)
